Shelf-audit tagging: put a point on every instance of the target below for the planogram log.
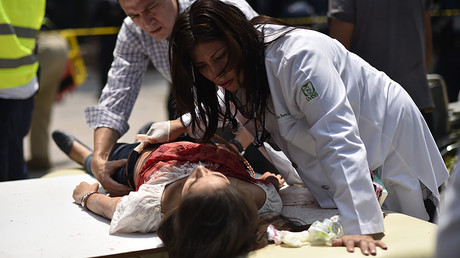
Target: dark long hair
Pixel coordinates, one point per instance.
(211, 20)
(222, 224)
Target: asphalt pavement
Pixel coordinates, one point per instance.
(69, 115)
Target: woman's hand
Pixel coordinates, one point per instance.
(82, 189)
(276, 180)
(165, 131)
(367, 244)
(161, 132)
(158, 132)
(102, 205)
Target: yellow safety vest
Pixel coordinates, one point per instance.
(20, 21)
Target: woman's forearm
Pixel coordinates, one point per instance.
(102, 204)
(244, 137)
(176, 129)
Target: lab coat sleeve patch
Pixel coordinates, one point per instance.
(309, 91)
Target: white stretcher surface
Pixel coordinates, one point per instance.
(39, 218)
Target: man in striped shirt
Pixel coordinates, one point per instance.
(143, 38)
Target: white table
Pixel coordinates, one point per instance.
(38, 218)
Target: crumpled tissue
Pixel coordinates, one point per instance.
(319, 233)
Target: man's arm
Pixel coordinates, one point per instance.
(342, 31)
(104, 140)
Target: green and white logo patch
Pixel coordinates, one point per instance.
(309, 91)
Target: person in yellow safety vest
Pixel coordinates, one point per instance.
(20, 21)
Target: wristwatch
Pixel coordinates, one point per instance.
(238, 146)
(85, 197)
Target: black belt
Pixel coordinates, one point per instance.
(130, 165)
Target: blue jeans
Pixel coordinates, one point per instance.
(15, 117)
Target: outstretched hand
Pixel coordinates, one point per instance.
(367, 244)
(103, 170)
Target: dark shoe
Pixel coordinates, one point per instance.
(64, 141)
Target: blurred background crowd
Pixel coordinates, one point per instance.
(87, 30)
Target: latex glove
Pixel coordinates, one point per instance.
(158, 133)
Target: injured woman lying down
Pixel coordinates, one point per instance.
(193, 195)
(182, 186)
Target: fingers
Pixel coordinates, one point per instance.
(110, 185)
(116, 189)
(145, 138)
(113, 165)
(365, 242)
(142, 137)
(103, 170)
(76, 195)
(371, 248)
(337, 242)
(364, 245)
(350, 245)
(381, 244)
(266, 174)
(95, 186)
(139, 148)
(280, 179)
(276, 179)
(82, 189)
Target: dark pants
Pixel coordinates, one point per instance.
(15, 117)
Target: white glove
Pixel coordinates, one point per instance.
(158, 133)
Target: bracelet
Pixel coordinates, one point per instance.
(238, 145)
(85, 198)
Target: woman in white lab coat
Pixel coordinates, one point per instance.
(331, 113)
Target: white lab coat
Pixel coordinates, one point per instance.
(335, 117)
